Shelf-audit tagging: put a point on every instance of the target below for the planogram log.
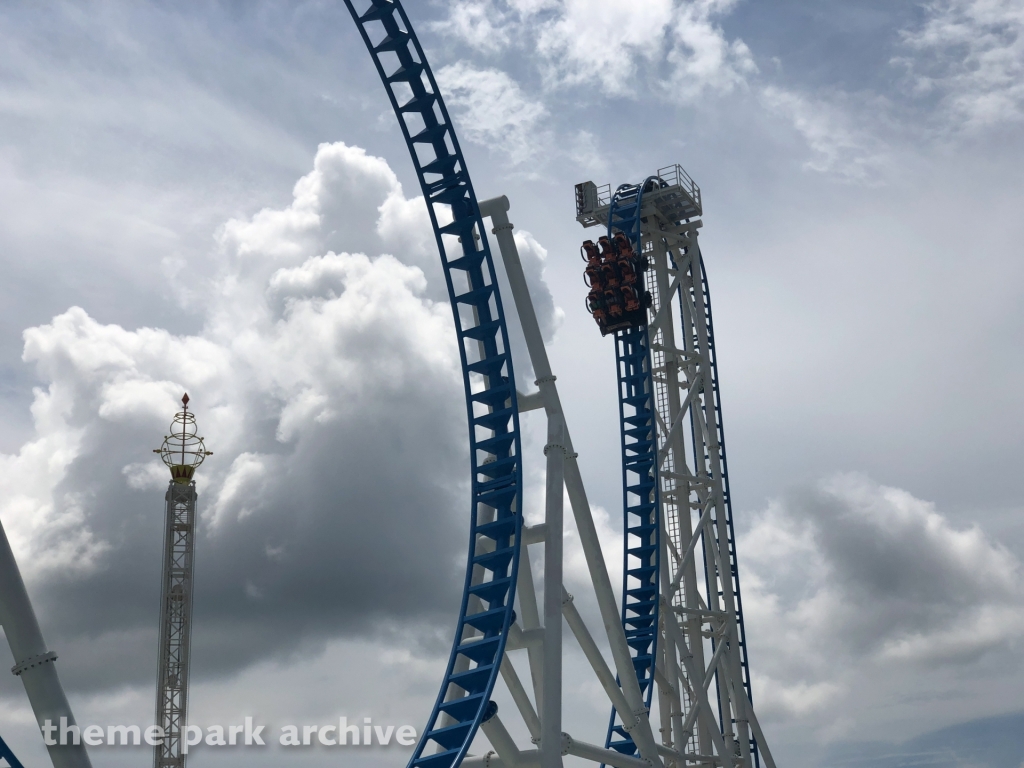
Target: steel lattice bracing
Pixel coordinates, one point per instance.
(175, 622)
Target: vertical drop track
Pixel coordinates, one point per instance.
(641, 504)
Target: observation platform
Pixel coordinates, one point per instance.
(671, 192)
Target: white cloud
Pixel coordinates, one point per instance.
(971, 53)
(839, 147)
(534, 256)
(672, 47)
(495, 112)
(854, 591)
(477, 22)
(700, 56)
(601, 42)
(682, 52)
(673, 50)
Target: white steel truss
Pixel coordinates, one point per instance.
(702, 639)
(698, 624)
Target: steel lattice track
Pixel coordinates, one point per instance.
(495, 523)
(734, 571)
(641, 503)
(711, 575)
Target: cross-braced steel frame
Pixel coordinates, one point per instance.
(702, 637)
(175, 623)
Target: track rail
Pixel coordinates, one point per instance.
(727, 523)
(640, 486)
(485, 614)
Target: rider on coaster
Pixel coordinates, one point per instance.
(627, 270)
(630, 298)
(596, 305)
(612, 277)
(613, 301)
(592, 274)
(609, 273)
(624, 260)
(623, 246)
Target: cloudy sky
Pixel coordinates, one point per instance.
(215, 197)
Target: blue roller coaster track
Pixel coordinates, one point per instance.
(641, 504)
(486, 614)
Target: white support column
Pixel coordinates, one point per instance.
(34, 664)
(733, 703)
(601, 755)
(551, 723)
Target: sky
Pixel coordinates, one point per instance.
(215, 197)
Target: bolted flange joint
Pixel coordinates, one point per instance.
(637, 714)
(565, 743)
(33, 661)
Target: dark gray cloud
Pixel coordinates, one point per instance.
(861, 599)
(328, 385)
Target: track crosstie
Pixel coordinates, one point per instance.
(486, 614)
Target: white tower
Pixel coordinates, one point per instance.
(183, 451)
(34, 664)
(702, 643)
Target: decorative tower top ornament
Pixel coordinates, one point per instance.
(183, 451)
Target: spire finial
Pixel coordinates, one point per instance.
(183, 450)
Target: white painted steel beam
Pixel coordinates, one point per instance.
(34, 663)
(520, 697)
(551, 708)
(496, 209)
